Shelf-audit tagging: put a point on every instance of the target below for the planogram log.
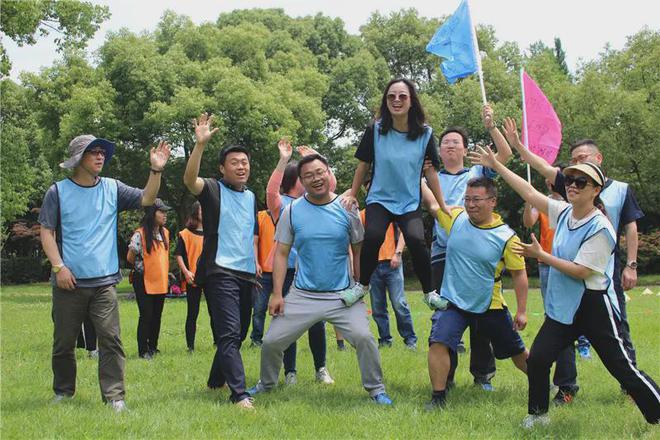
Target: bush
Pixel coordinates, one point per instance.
(20, 270)
(648, 255)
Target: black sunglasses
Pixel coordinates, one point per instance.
(580, 182)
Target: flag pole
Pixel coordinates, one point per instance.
(477, 55)
(524, 122)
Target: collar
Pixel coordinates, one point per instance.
(497, 221)
(232, 187)
(463, 171)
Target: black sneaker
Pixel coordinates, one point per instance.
(385, 344)
(436, 403)
(564, 396)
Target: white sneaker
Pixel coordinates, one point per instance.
(290, 378)
(323, 376)
(118, 405)
(532, 420)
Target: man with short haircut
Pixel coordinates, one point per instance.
(227, 266)
(479, 248)
(322, 231)
(621, 207)
(79, 236)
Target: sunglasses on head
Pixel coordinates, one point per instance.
(580, 182)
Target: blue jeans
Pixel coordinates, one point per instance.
(385, 278)
(260, 298)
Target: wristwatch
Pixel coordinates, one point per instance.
(632, 265)
(57, 268)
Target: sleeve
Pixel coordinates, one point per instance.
(357, 228)
(128, 197)
(48, 214)
(365, 151)
(487, 172)
(273, 199)
(555, 207)
(513, 261)
(432, 153)
(136, 243)
(203, 197)
(596, 252)
(445, 220)
(284, 231)
(631, 211)
(180, 247)
(559, 185)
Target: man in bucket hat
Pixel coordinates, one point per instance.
(79, 235)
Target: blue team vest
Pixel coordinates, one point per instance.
(564, 293)
(286, 201)
(472, 257)
(236, 230)
(453, 188)
(397, 170)
(321, 233)
(613, 197)
(88, 223)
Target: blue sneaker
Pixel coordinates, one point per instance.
(258, 388)
(382, 399)
(584, 352)
(486, 386)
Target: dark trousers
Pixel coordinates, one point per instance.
(87, 336)
(230, 301)
(193, 298)
(70, 308)
(594, 319)
(624, 328)
(482, 359)
(151, 312)
(412, 226)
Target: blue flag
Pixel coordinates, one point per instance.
(453, 42)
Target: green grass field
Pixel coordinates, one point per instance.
(167, 397)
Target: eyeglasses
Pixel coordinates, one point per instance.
(318, 174)
(580, 182)
(475, 200)
(455, 142)
(395, 97)
(96, 152)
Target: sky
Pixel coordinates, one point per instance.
(584, 26)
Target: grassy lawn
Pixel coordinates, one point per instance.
(168, 398)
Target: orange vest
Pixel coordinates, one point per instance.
(156, 265)
(266, 240)
(388, 248)
(547, 233)
(193, 244)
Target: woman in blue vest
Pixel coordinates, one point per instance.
(148, 252)
(577, 301)
(394, 148)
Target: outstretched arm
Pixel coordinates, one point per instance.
(203, 134)
(503, 149)
(273, 199)
(158, 158)
(350, 200)
(530, 215)
(536, 162)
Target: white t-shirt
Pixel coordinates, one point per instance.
(595, 253)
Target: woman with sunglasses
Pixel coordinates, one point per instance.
(577, 300)
(394, 148)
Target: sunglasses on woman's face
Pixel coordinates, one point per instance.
(580, 182)
(395, 97)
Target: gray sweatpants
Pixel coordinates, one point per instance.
(302, 309)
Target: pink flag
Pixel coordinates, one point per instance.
(541, 128)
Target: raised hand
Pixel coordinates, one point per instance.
(203, 131)
(304, 150)
(483, 156)
(158, 156)
(487, 116)
(511, 133)
(531, 250)
(285, 149)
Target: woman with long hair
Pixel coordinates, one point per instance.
(577, 300)
(394, 149)
(188, 249)
(148, 251)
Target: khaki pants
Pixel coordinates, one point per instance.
(70, 308)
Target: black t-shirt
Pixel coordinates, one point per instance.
(181, 247)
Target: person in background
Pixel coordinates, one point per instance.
(87, 339)
(262, 292)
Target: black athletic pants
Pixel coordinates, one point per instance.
(193, 298)
(377, 220)
(596, 320)
(151, 311)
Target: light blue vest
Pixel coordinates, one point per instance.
(564, 293)
(88, 223)
(236, 230)
(453, 189)
(613, 197)
(472, 257)
(286, 201)
(397, 170)
(321, 233)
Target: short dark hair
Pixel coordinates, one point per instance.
(582, 142)
(234, 148)
(311, 158)
(290, 177)
(460, 130)
(484, 182)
